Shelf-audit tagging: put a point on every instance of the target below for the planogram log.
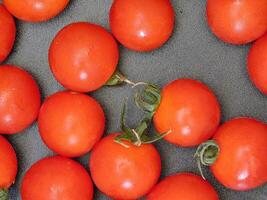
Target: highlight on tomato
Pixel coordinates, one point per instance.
(83, 56)
(190, 110)
(56, 178)
(71, 123)
(186, 186)
(35, 10)
(237, 22)
(237, 154)
(7, 33)
(8, 167)
(20, 99)
(142, 25)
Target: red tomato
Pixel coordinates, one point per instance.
(71, 123)
(83, 56)
(142, 25)
(257, 64)
(8, 164)
(184, 186)
(7, 33)
(242, 161)
(56, 178)
(190, 110)
(19, 99)
(35, 10)
(237, 22)
(124, 173)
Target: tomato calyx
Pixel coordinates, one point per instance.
(206, 155)
(3, 194)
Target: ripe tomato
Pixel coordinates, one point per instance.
(190, 110)
(89, 59)
(242, 161)
(19, 99)
(56, 178)
(71, 123)
(257, 64)
(7, 33)
(35, 10)
(237, 22)
(142, 25)
(184, 186)
(124, 173)
(8, 164)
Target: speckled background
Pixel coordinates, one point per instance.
(191, 52)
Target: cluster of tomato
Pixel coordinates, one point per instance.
(83, 57)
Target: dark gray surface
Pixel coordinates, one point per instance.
(192, 52)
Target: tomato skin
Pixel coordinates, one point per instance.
(190, 110)
(138, 25)
(20, 99)
(89, 59)
(7, 33)
(71, 123)
(237, 22)
(184, 186)
(242, 161)
(8, 164)
(124, 173)
(35, 10)
(56, 178)
(257, 64)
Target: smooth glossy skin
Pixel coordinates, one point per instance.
(142, 25)
(183, 186)
(19, 99)
(7, 33)
(8, 164)
(56, 178)
(237, 21)
(190, 110)
(35, 10)
(83, 56)
(257, 64)
(71, 123)
(242, 161)
(124, 173)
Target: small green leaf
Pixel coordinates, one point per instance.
(3, 194)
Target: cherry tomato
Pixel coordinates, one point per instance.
(56, 178)
(19, 99)
(237, 22)
(35, 10)
(142, 25)
(257, 64)
(190, 110)
(71, 123)
(184, 186)
(124, 173)
(8, 164)
(83, 56)
(242, 161)
(7, 33)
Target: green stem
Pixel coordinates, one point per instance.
(117, 79)
(3, 194)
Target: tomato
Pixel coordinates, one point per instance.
(7, 33)
(56, 178)
(142, 25)
(190, 110)
(35, 10)
(184, 186)
(124, 173)
(242, 161)
(19, 99)
(71, 123)
(89, 59)
(257, 64)
(8, 164)
(237, 22)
